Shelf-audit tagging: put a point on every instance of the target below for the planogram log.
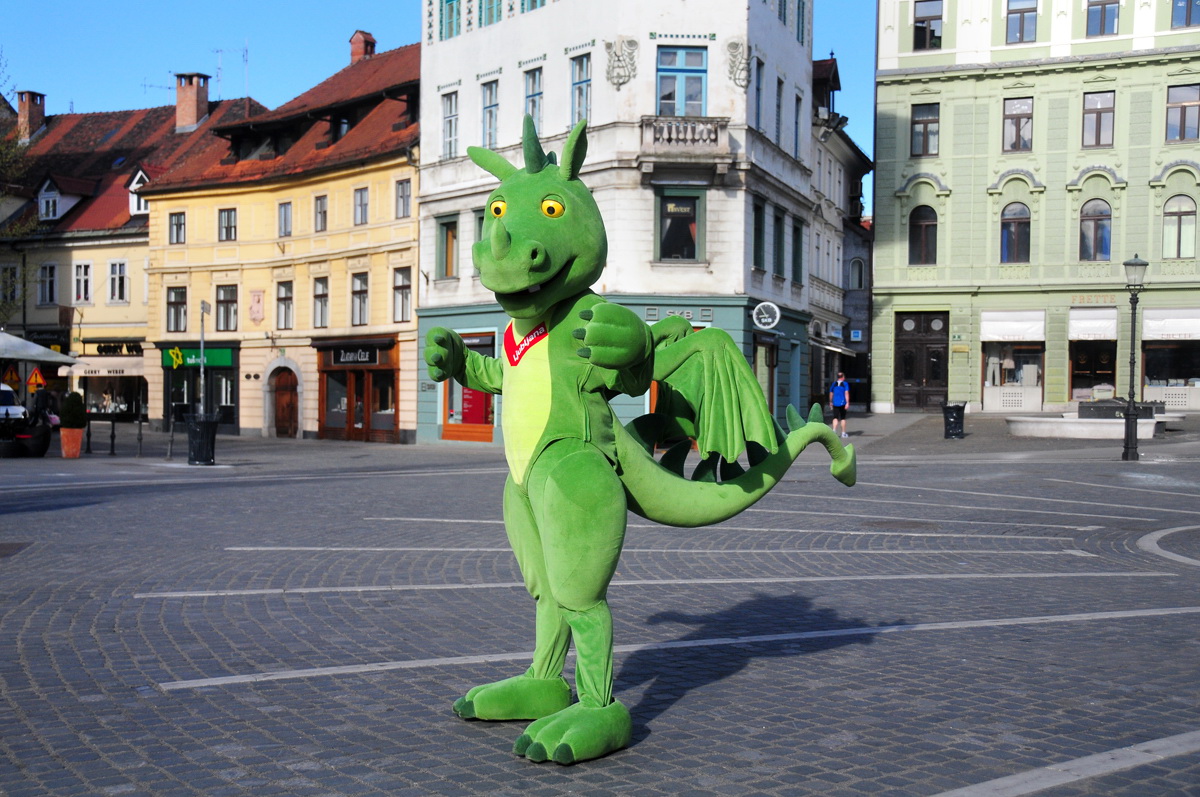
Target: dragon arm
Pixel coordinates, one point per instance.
(482, 373)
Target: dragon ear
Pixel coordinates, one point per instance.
(495, 165)
(574, 151)
(535, 156)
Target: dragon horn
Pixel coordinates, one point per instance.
(574, 151)
(535, 156)
(495, 165)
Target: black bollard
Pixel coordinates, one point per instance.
(112, 437)
(88, 450)
(139, 437)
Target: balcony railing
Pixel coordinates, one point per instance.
(685, 136)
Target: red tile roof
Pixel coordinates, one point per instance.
(384, 86)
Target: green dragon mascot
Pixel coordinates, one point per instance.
(574, 470)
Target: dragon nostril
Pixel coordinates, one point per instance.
(535, 254)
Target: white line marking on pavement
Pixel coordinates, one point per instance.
(1134, 489)
(1149, 543)
(233, 593)
(926, 520)
(956, 625)
(771, 529)
(859, 500)
(719, 551)
(1091, 766)
(1013, 497)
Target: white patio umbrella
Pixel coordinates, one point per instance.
(14, 348)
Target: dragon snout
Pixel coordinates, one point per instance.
(527, 254)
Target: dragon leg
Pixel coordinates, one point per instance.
(541, 690)
(579, 506)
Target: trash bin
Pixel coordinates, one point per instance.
(202, 437)
(952, 414)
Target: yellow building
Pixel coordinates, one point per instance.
(289, 247)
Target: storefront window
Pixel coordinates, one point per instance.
(383, 400)
(1013, 364)
(222, 392)
(335, 400)
(1175, 364)
(470, 414)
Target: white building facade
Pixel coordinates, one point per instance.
(700, 131)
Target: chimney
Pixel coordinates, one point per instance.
(31, 114)
(362, 45)
(191, 100)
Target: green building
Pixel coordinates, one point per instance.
(1024, 150)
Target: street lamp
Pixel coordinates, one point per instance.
(1135, 275)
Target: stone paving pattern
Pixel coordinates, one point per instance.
(87, 647)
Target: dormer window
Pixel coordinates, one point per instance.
(137, 203)
(48, 202)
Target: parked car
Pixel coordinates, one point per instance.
(10, 407)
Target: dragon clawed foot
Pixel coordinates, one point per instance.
(577, 733)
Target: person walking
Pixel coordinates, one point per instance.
(839, 402)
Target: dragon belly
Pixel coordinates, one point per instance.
(527, 393)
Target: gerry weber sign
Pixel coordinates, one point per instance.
(358, 355)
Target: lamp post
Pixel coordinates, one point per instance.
(1135, 275)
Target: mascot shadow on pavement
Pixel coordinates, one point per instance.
(574, 469)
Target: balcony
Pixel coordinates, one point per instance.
(686, 142)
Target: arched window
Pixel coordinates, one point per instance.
(858, 274)
(1179, 227)
(1095, 230)
(1014, 234)
(922, 236)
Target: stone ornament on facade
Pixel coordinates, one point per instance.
(622, 61)
(739, 62)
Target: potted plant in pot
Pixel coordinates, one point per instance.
(72, 418)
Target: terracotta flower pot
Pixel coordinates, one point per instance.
(72, 441)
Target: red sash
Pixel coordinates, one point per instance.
(514, 350)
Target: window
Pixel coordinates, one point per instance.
(680, 215)
(284, 305)
(1014, 234)
(1018, 125)
(360, 311)
(118, 283)
(227, 308)
(533, 96)
(489, 12)
(9, 284)
(801, 12)
(361, 206)
(858, 274)
(783, 11)
(285, 219)
(1179, 227)
(451, 18)
(1183, 113)
(49, 208)
(1102, 17)
(403, 199)
(227, 224)
(83, 283)
(925, 123)
(479, 219)
(797, 252)
(927, 25)
(779, 112)
(758, 257)
(682, 75)
(450, 125)
(922, 236)
(137, 203)
(581, 88)
(447, 249)
(48, 283)
(491, 111)
(402, 294)
(1022, 21)
(758, 100)
(530, 5)
(1098, 118)
(177, 309)
(1185, 13)
(320, 213)
(796, 111)
(777, 245)
(320, 302)
(177, 228)
(1095, 230)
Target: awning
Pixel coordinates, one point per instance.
(1012, 325)
(834, 347)
(1162, 323)
(106, 366)
(1092, 323)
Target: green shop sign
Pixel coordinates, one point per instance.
(190, 358)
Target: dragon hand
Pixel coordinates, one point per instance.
(445, 354)
(613, 336)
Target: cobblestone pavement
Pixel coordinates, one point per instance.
(297, 620)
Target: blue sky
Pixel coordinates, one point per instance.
(121, 54)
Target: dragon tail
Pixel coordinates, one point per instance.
(660, 492)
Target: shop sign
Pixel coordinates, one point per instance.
(1093, 298)
(356, 355)
(190, 358)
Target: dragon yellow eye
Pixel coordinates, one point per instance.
(552, 208)
(498, 207)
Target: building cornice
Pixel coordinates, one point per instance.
(1036, 66)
